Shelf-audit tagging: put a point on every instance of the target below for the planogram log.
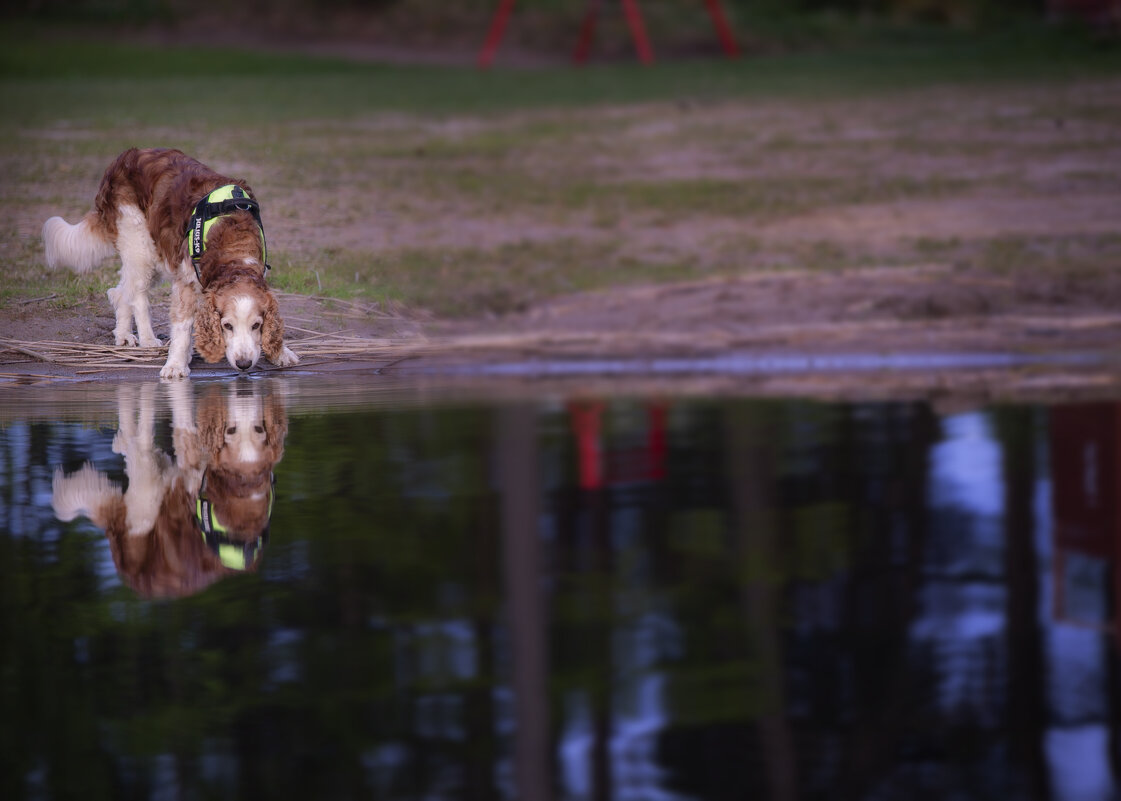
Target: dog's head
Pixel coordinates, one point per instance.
(238, 319)
(242, 430)
(170, 536)
(242, 434)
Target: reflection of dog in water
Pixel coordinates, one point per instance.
(184, 521)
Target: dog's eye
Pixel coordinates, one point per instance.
(228, 326)
(231, 430)
(256, 326)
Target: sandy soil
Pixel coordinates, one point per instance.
(795, 334)
(1013, 247)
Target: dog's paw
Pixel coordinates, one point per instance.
(172, 371)
(153, 342)
(126, 339)
(286, 358)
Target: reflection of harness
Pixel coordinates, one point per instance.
(234, 554)
(222, 202)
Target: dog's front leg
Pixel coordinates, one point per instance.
(189, 456)
(144, 463)
(286, 358)
(182, 407)
(184, 299)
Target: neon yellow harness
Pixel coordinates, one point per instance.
(222, 202)
(234, 554)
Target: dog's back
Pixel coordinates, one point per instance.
(154, 187)
(141, 210)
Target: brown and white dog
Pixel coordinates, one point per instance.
(185, 519)
(143, 208)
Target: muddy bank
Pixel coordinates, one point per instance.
(930, 331)
(949, 241)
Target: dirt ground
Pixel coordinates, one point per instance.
(930, 332)
(964, 224)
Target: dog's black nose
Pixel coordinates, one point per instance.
(243, 364)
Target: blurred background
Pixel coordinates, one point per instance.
(549, 28)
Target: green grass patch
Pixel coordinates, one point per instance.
(467, 282)
(1038, 255)
(356, 150)
(501, 191)
(46, 78)
(60, 289)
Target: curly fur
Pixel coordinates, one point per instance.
(141, 210)
(272, 331)
(164, 556)
(208, 329)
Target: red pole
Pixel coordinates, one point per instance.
(585, 417)
(638, 31)
(723, 29)
(587, 32)
(494, 34)
(656, 439)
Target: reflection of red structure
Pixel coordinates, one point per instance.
(1086, 496)
(587, 30)
(646, 462)
(1098, 12)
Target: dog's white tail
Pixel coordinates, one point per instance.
(79, 247)
(82, 493)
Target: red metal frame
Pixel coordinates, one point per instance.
(494, 34)
(600, 467)
(723, 29)
(635, 23)
(587, 32)
(638, 31)
(1085, 447)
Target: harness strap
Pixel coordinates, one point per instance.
(234, 554)
(221, 202)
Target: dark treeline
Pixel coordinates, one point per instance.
(434, 11)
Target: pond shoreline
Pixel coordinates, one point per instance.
(921, 332)
(950, 380)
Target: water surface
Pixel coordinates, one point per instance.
(317, 589)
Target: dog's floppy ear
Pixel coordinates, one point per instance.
(272, 329)
(208, 329)
(211, 423)
(276, 424)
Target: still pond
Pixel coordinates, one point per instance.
(306, 589)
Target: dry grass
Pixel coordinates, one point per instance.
(113, 357)
(466, 214)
